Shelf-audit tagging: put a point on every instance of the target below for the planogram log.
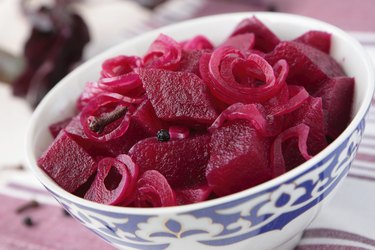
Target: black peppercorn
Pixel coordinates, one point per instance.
(27, 221)
(163, 135)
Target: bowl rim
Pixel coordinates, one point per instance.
(57, 190)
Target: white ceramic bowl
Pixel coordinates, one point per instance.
(270, 215)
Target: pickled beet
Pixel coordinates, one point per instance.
(265, 39)
(179, 97)
(56, 127)
(67, 163)
(190, 61)
(192, 194)
(311, 114)
(337, 96)
(182, 162)
(146, 118)
(318, 39)
(243, 42)
(308, 66)
(239, 158)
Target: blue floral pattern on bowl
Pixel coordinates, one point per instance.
(228, 223)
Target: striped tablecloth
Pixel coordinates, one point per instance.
(348, 222)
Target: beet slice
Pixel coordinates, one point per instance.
(239, 158)
(82, 190)
(190, 61)
(242, 42)
(112, 183)
(146, 118)
(311, 114)
(178, 132)
(67, 163)
(308, 66)
(178, 96)
(192, 195)
(318, 39)
(265, 39)
(56, 127)
(153, 190)
(337, 95)
(182, 161)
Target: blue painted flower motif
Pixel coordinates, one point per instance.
(174, 230)
(178, 227)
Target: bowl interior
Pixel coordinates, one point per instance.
(60, 101)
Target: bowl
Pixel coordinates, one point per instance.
(271, 215)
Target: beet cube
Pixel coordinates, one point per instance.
(318, 39)
(145, 117)
(337, 94)
(179, 96)
(239, 158)
(67, 163)
(192, 194)
(308, 66)
(56, 127)
(243, 42)
(310, 114)
(190, 61)
(265, 39)
(183, 162)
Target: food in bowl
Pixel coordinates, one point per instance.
(190, 121)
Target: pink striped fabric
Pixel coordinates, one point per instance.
(347, 223)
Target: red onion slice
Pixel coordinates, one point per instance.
(120, 65)
(229, 90)
(112, 183)
(249, 112)
(90, 91)
(299, 96)
(120, 84)
(153, 190)
(164, 53)
(102, 106)
(300, 132)
(198, 42)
